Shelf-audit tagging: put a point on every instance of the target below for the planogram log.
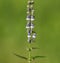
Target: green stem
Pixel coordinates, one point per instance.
(29, 58)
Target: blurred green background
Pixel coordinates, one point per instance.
(13, 36)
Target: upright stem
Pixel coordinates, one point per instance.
(29, 57)
(29, 54)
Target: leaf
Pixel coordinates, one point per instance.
(20, 56)
(35, 48)
(38, 57)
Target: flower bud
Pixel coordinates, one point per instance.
(30, 2)
(34, 35)
(32, 12)
(27, 27)
(29, 36)
(28, 17)
(28, 6)
(31, 6)
(32, 18)
(32, 26)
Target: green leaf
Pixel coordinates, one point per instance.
(20, 56)
(35, 48)
(38, 57)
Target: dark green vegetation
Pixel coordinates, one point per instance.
(13, 33)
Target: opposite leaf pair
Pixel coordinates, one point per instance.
(33, 58)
